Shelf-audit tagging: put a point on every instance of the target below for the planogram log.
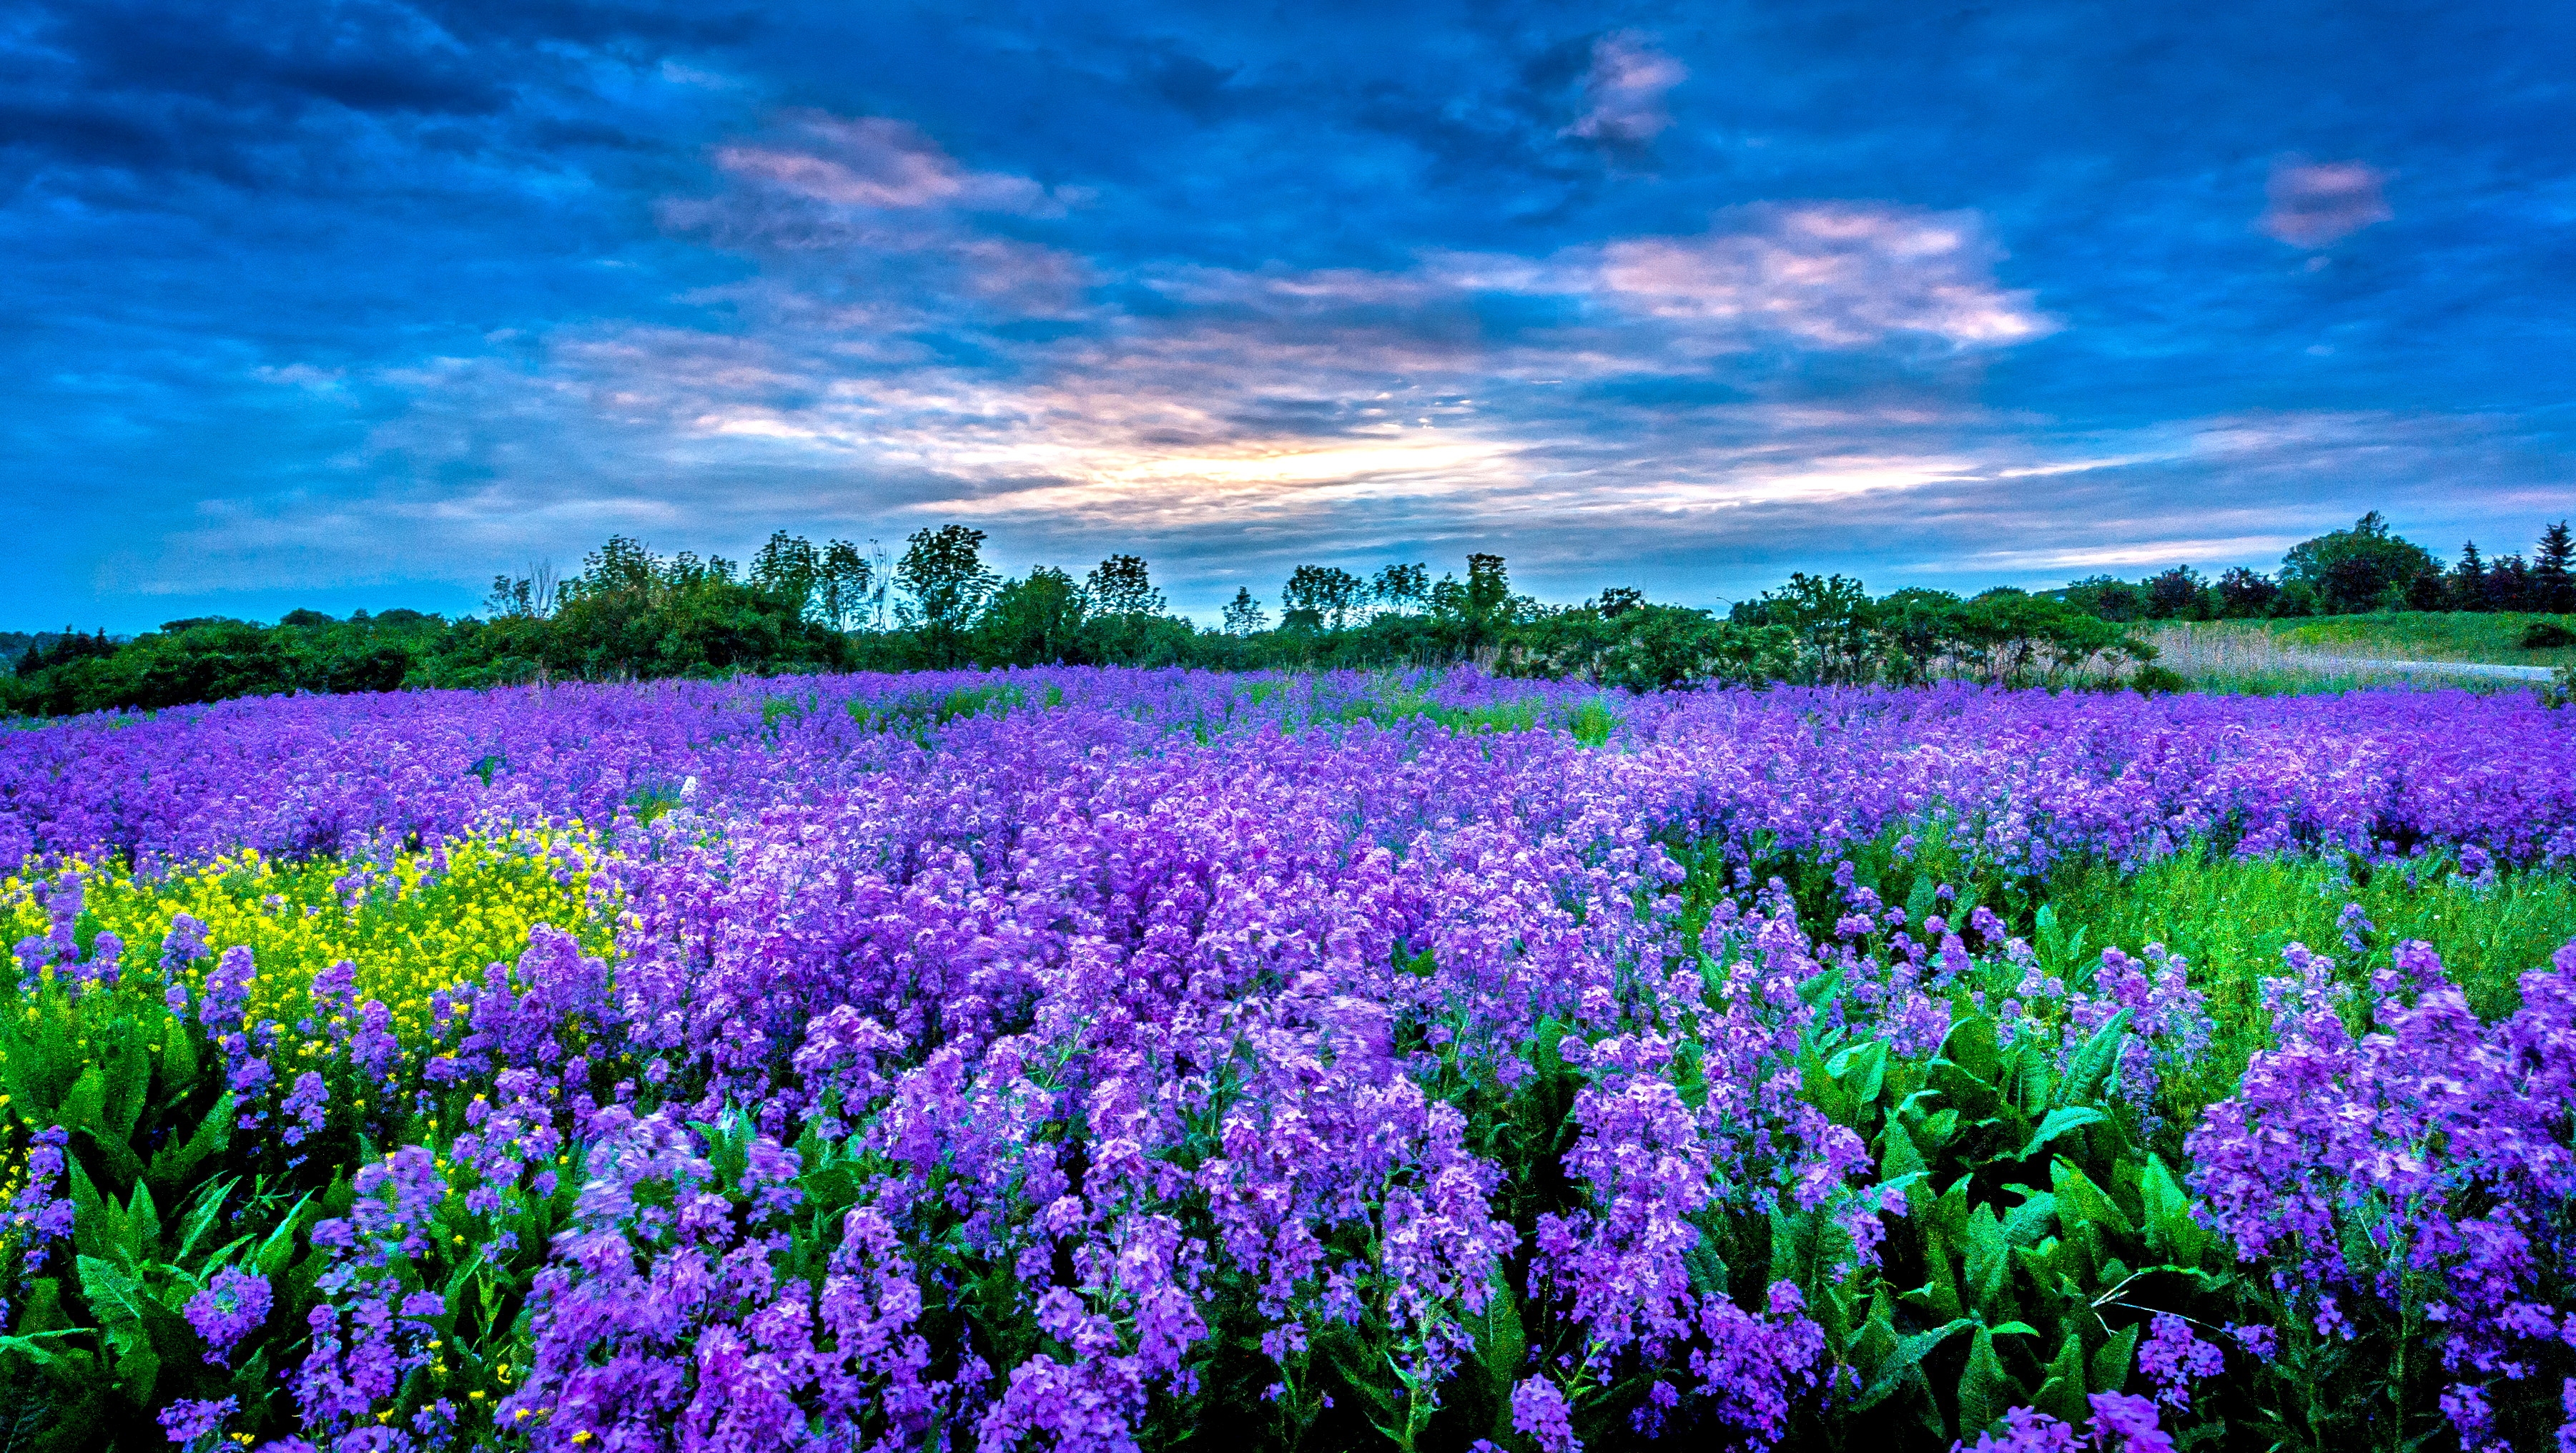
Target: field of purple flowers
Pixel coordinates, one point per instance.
(1104, 1060)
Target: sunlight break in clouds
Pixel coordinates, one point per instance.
(1626, 88)
(2314, 204)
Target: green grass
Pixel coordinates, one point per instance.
(2412, 636)
(2330, 653)
(2232, 918)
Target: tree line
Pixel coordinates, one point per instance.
(2345, 572)
(631, 613)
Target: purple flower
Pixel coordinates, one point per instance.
(1539, 1410)
(2173, 1359)
(232, 1307)
(188, 1420)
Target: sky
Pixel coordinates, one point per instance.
(357, 303)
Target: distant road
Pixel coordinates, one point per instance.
(2440, 668)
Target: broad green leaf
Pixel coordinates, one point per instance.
(174, 1161)
(2060, 1121)
(1989, 1264)
(178, 1056)
(142, 1226)
(128, 1078)
(2061, 1394)
(2171, 1232)
(1502, 1347)
(2031, 1220)
(85, 1107)
(1890, 1374)
(98, 1224)
(1986, 1391)
(2111, 1362)
(2093, 1063)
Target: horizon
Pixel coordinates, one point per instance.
(1638, 295)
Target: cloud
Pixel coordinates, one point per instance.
(1624, 91)
(2315, 204)
(1837, 276)
(873, 162)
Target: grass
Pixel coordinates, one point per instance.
(2323, 654)
(2232, 918)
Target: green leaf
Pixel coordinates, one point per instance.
(178, 1056)
(1920, 902)
(170, 1166)
(98, 1224)
(2060, 1121)
(32, 1344)
(1971, 1047)
(128, 1077)
(2093, 1063)
(142, 1227)
(1861, 1070)
(1986, 1391)
(1891, 1373)
(2061, 1395)
(85, 1107)
(1989, 1263)
(2111, 1361)
(2171, 1232)
(2081, 1203)
(115, 1296)
(279, 1248)
(1502, 1347)
(2029, 1223)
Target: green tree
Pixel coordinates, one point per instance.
(846, 588)
(1320, 598)
(2246, 594)
(1401, 588)
(2468, 580)
(2359, 569)
(788, 570)
(2552, 583)
(1243, 614)
(1121, 586)
(945, 581)
(1036, 620)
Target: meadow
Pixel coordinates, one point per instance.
(2339, 653)
(1107, 1059)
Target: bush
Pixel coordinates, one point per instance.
(2547, 636)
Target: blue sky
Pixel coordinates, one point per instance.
(359, 303)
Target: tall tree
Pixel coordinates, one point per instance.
(1243, 614)
(848, 578)
(2552, 583)
(2175, 593)
(1321, 597)
(944, 580)
(1489, 586)
(2469, 580)
(1401, 588)
(787, 570)
(1033, 621)
(1121, 586)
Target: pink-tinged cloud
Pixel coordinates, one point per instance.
(1624, 91)
(2314, 204)
(873, 161)
(1841, 276)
